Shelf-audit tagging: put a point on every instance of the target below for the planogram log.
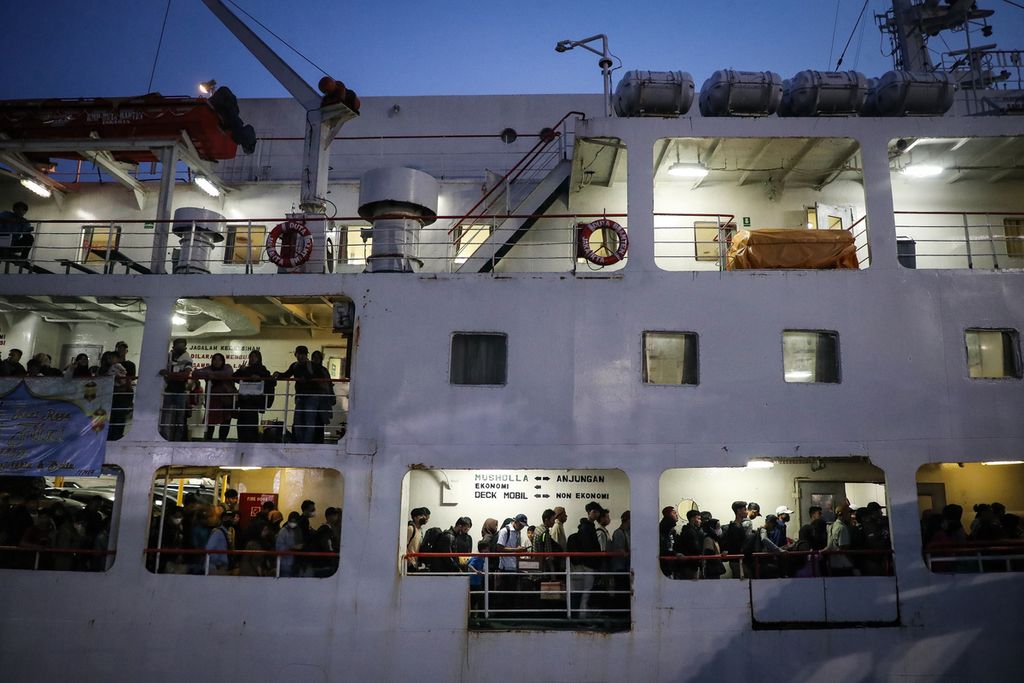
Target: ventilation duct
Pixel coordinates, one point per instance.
(398, 202)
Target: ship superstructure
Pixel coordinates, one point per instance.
(524, 297)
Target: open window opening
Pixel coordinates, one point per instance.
(269, 369)
(278, 522)
(957, 201)
(970, 516)
(811, 534)
(992, 354)
(62, 523)
(670, 358)
(810, 356)
(62, 346)
(759, 203)
(539, 549)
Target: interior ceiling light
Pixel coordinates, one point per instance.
(177, 319)
(1004, 462)
(687, 170)
(760, 465)
(36, 187)
(922, 170)
(206, 186)
(207, 87)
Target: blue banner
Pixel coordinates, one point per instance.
(52, 426)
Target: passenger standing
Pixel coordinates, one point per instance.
(691, 544)
(174, 416)
(840, 539)
(712, 551)
(558, 528)
(779, 535)
(19, 230)
(220, 396)
(815, 532)
(414, 537)
(289, 539)
(220, 540)
(307, 395)
(12, 367)
(326, 400)
(619, 564)
(734, 536)
(668, 541)
(510, 541)
(583, 568)
(255, 395)
(463, 541)
(120, 406)
(121, 348)
(326, 540)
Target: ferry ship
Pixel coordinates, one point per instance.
(804, 293)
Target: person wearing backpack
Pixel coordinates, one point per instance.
(414, 537)
(433, 542)
(583, 568)
(510, 541)
(734, 536)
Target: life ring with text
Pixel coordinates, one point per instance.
(289, 233)
(588, 252)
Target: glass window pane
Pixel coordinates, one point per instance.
(670, 358)
(810, 356)
(992, 353)
(479, 358)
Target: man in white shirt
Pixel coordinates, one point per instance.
(509, 541)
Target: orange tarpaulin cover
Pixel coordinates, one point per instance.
(786, 248)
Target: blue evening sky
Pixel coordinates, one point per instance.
(71, 48)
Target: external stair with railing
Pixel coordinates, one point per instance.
(542, 175)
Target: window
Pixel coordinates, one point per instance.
(540, 508)
(1013, 229)
(670, 358)
(968, 516)
(60, 523)
(479, 358)
(810, 356)
(214, 514)
(992, 354)
(468, 239)
(357, 244)
(245, 244)
(97, 240)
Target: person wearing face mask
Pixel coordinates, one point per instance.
(289, 538)
(173, 536)
(713, 566)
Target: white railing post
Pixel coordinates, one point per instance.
(277, 567)
(568, 588)
(284, 416)
(206, 564)
(487, 588)
(967, 241)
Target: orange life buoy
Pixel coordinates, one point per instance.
(293, 230)
(587, 252)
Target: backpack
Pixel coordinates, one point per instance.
(733, 538)
(429, 545)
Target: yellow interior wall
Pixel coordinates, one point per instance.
(976, 483)
(293, 485)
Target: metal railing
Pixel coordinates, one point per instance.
(203, 566)
(80, 559)
(502, 196)
(961, 239)
(207, 413)
(782, 564)
(566, 590)
(976, 558)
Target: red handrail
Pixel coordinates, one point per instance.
(532, 154)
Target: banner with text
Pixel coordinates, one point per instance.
(54, 426)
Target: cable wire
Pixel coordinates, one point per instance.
(852, 33)
(832, 45)
(286, 43)
(1015, 4)
(159, 43)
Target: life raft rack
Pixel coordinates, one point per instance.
(289, 233)
(585, 230)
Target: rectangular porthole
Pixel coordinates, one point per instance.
(992, 354)
(810, 356)
(479, 358)
(670, 358)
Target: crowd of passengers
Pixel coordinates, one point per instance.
(243, 394)
(215, 530)
(599, 581)
(991, 523)
(50, 534)
(752, 546)
(111, 364)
